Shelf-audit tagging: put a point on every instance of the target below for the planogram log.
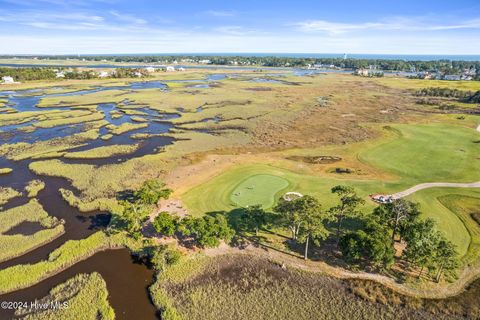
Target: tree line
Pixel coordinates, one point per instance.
(461, 95)
(443, 66)
(47, 73)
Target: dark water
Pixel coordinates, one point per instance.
(127, 283)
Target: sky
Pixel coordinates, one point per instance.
(239, 26)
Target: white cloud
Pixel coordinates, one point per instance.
(395, 23)
(127, 18)
(216, 13)
(179, 41)
(232, 30)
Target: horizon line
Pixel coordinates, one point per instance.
(239, 53)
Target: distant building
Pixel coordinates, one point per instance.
(206, 61)
(103, 74)
(369, 72)
(7, 80)
(362, 72)
(150, 69)
(451, 77)
(170, 68)
(181, 69)
(138, 74)
(60, 74)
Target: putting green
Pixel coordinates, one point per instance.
(258, 189)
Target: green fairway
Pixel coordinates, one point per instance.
(415, 153)
(441, 204)
(258, 189)
(428, 153)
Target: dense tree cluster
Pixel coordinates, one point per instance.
(138, 206)
(206, 231)
(25, 74)
(398, 221)
(445, 93)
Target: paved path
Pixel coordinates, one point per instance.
(422, 186)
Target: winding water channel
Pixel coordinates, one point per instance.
(127, 279)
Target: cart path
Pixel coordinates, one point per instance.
(428, 185)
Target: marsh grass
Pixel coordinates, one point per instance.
(17, 244)
(102, 152)
(34, 187)
(48, 148)
(247, 287)
(125, 127)
(86, 296)
(74, 119)
(7, 193)
(85, 205)
(5, 170)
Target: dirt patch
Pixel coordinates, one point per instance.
(316, 159)
(476, 216)
(173, 206)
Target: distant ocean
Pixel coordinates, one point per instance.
(417, 57)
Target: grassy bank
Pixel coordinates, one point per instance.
(34, 187)
(53, 147)
(7, 193)
(5, 170)
(13, 245)
(102, 152)
(86, 296)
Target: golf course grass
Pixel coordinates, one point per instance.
(428, 153)
(414, 154)
(259, 189)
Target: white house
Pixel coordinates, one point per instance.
(7, 80)
(150, 69)
(60, 74)
(181, 69)
(103, 74)
(362, 72)
(170, 68)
